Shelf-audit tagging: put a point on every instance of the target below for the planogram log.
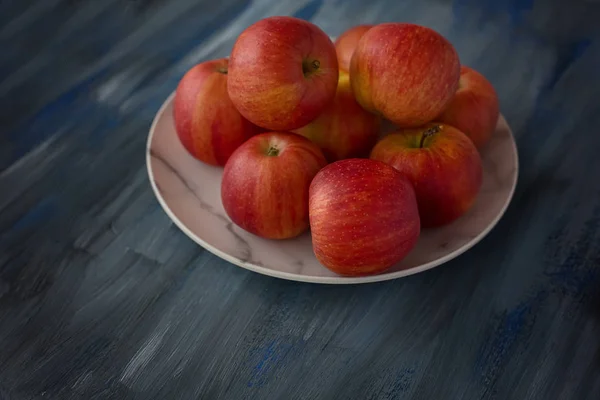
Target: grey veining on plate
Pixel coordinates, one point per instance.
(241, 244)
(102, 297)
(189, 191)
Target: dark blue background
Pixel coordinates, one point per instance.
(102, 297)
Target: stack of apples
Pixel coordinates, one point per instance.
(295, 120)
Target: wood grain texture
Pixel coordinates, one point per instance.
(101, 297)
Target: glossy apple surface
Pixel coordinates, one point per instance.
(474, 110)
(283, 72)
(265, 184)
(344, 129)
(363, 217)
(207, 123)
(346, 43)
(407, 73)
(442, 164)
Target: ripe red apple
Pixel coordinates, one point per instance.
(207, 123)
(363, 216)
(344, 129)
(442, 164)
(407, 73)
(346, 43)
(474, 110)
(265, 184)
(283, 71)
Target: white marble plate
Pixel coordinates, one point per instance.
(189, 192)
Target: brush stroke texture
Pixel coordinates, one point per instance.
(101, 297)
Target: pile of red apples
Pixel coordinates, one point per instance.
(296, 122)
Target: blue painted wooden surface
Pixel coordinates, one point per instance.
(102, 297)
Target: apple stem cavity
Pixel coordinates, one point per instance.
(222, 70)
(428, 133)
(273, 151)
(310, 67)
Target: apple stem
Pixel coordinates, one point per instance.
(428, 133)
(273, 151)
(310, 67)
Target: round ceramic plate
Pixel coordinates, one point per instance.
(190, 193)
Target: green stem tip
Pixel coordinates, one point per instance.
(428, 133)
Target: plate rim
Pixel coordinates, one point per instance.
(329, 280)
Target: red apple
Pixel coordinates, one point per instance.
(282, 73)
(207, 123)
(474, 110)
(363, 217)
(405, 72)
(442, 164)
(344, 129)
(265, 184)
(346, 43)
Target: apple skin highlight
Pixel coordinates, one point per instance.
(344, 129)
(363, 216)
(283, 72)
(266, 181)
(207, 123)
(407, 73)
(475, 108)
(346, 43)
(442, 164)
